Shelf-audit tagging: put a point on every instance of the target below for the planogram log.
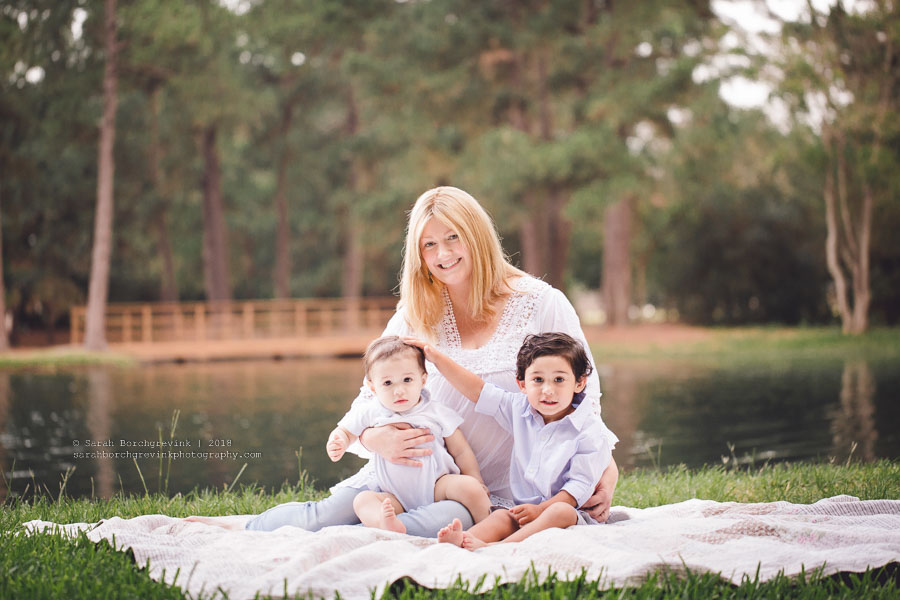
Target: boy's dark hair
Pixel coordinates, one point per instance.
(385, 347)
(553, 344)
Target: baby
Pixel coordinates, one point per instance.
(395, 372)
(559, 449)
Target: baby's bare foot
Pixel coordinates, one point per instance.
(389, 518)
(215, 522)
(452, 533)
(470, 542)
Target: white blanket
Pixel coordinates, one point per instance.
(835, 534)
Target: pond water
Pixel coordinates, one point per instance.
(90, 423)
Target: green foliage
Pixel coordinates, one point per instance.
(757, 266)
(536, 108)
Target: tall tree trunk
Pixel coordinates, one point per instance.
(215, 242)
(98, 289)
(168, 287)
(560, 229)
(352, 276)
(530, 234)
(4, 335)
(847, 242)
(282, 274)
(617, 224)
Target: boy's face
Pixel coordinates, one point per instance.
(397, 382)
(550, 386)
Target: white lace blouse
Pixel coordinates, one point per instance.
(535, 308)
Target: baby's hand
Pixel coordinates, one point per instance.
(337, 445)
(525, 513)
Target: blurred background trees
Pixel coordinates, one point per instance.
(270, 148)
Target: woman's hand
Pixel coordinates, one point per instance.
(598, 505)
(397, 443)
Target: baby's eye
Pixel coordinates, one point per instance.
(386, 382)
(407, 380)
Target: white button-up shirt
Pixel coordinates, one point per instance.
(569, 454)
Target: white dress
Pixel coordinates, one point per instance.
(412, 486)
(536, 307)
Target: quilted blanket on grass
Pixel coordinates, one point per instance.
(834, 534)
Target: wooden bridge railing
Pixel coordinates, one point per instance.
(236, 320)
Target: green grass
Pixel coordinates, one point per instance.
(51, 567)
(62, 356)
(748, 343)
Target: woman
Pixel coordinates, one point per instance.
(458, 291)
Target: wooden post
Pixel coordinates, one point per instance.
(126, 326)
(179, 322)
(248, 320)
(200, 322)
(299, 319)
(146, 324)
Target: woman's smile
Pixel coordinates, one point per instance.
(449, 265)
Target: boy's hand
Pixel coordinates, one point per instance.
(431, 353)
(337, 445)
(526, 513)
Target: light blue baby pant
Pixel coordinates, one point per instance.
(337, 509)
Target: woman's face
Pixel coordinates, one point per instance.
(445, 254)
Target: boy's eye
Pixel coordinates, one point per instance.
(559, 379)
(538, 380)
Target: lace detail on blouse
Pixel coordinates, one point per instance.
(499, 353)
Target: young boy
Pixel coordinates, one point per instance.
(559, 450)
(395, 372)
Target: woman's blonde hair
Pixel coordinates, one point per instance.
(421, 294)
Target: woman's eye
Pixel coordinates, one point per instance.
(428, 244)
(453, 237)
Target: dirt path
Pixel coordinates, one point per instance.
(647, 334)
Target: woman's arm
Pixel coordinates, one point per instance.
(598, 505)
(462, 453)
(468, 383)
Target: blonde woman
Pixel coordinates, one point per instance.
(459, 292)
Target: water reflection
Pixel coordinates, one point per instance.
(4, 412)
(262, 413)
(853, 421)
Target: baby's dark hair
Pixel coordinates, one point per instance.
(553, 344)
(390, 345)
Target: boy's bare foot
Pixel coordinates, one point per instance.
(470, 542)
(215, 522)
(389, 518)
(452, 533)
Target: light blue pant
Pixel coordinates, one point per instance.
(337, 509)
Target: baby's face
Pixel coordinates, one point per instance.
(397, 382)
